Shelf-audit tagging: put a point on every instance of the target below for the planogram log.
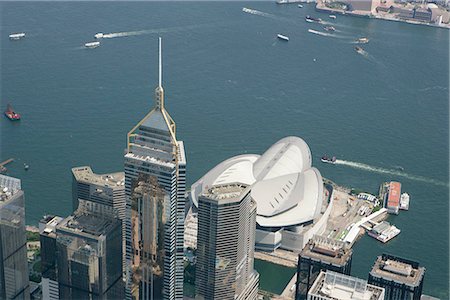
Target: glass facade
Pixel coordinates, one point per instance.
(14, 283)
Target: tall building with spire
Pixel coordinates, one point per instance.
(155, 167)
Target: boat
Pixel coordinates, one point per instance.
(404, 201)
(300, 6)
(332, 16)
(98, 35)
(288, 1)
(26, 167)
(329, 28)
(328, 160)
(92, 45)
(359, 50)
(362, 40)
(16, 36)
(310, 19)
(11, 114)
(283, 37)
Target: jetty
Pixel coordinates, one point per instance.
(4, 163)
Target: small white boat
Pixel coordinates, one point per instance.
(332, 16)
(300, 6)
(98, 35)
(404, 201)
(283, 37)
(362, 40)
(16, 36)
(92, 45)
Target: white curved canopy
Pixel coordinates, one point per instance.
(287, 190)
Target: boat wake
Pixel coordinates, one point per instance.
(365, 167)
(257, 12)
(319, 32)
(152, 31)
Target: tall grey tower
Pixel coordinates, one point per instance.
(225, 244)
(14, 282)
(155, 167)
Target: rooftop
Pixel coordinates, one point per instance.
(327, 250)
(398, 269)
(231, 191)
(9, 186)
(91, 224)
(332, 285)
(85, 174)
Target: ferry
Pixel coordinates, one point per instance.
(362, 40)
(332, 16)
(329, 28)
(310, 19)
(98, 35)
(283, 37)
(92, 45)
(11, 114)
(16, 36)
(328, 160)
(404, 201)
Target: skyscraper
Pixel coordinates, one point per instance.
(86, 248)
(401, 278)
(225, 244)
(155, 165)
(14, 283)
(321, 253)
(101, 193)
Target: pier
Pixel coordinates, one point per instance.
(3, 164)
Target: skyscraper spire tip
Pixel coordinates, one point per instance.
(160, 63)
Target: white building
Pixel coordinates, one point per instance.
(330, 285)
(292, 204)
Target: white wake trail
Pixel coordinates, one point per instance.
(361, 166)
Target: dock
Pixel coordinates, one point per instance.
(4, 163)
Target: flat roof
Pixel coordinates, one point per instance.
(332, 285)
(232, 191)
(9, 186)
(327, 250)
(87, 223)
(394, 193)
(111, 180)
(398, 270)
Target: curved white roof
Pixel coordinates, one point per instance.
(287, 190)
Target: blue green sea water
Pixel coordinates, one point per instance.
(233, 88)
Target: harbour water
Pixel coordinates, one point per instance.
(233, 87)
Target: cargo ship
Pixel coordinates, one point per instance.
(11, 114)
(404, 201)
(384, 232)
(328, 160)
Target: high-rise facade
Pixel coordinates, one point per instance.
(14, 283)
(401, 278)
(155, 167)
(101, 193)
(225, 244)
(321, 253)
(88, 248)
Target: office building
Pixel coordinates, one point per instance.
(153, 151)
(292, 201)
(401, 278)
(103, 194)
(88, 247)
(14, 283)
(330, 285)
(319, 254)
(225, 244)
(47, 236)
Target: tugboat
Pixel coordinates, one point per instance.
(329, 28)
(310, 19)
(11, 114)
(328, 160)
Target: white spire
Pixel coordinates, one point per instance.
(160, 63)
